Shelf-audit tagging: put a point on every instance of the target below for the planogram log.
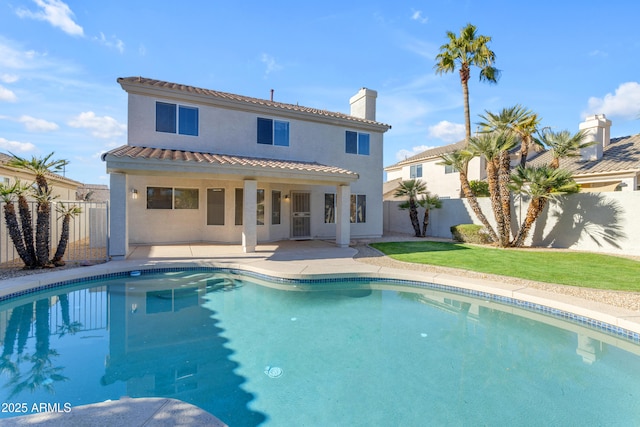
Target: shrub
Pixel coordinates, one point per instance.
(480, 188)
(470, 233)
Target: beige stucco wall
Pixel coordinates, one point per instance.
(232, 131)
(599, 222)
(445, 185)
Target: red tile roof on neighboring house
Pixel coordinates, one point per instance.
(143, 81)
(135, 152)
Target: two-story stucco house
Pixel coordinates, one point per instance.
(207, 166)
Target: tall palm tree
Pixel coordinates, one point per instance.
(463, 52)
(428, 201)
(540, 183)
(41, 167)
(66, 212)
(563, 144)
(411, 190)
(459, 160)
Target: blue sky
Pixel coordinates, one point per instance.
(59, 61)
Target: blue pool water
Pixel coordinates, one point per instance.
(341, 354)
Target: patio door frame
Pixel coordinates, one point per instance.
(300, 215)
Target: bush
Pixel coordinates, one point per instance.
(480, 188)
(470, 233)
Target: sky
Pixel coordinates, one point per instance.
(59, 61)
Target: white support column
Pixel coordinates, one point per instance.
(118, 225)
(343, 222)
(249, 219)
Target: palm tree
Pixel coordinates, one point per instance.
(67, 212)
(470, 49)
(411, 189)
(428, 201)
(494, 147)
(564, 144)
(459, 160)
(26, 219)
(7, 194)
(518, 120)
(41, 167)
(541, 184)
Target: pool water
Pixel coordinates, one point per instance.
(342, 354)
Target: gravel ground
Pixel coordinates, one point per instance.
(366, 254)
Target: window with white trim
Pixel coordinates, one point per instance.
(415, 171)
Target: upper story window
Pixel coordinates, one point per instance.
(449, 169)
(415, 171)
(273, 132)
(171, 118)
(357, 143)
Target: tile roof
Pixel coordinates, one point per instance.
(431, 153)
(143, 81)
(622, 154)
(135, 152)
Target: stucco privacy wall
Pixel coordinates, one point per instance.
(599, 222)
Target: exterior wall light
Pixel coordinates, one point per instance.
(134, 193)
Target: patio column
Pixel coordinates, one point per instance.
(249, 219)
(343, 221)
(118, 226)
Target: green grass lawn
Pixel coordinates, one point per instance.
(567, 268)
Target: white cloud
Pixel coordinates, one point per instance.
(271, 64)
(8, 78)
(12, 58)
(15, 146)
(447, 131)
(37, 125)
(7, 95)
(404, 153)
(625, 102)
(417, 15)
(55, 12)
(113, 42)
(101, 127)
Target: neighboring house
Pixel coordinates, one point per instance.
(611, 164)
(208, 166)
(441, 180)
(608, 165)
(93, 193)
(62, 188)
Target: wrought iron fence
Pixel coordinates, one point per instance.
(88, 233)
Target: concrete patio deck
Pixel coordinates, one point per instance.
(291, 259)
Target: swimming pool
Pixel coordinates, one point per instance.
(339, 352)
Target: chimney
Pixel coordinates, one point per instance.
(363, 104)
(597, 128)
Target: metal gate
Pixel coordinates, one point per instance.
(300, 215)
